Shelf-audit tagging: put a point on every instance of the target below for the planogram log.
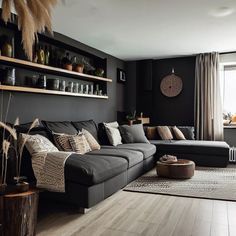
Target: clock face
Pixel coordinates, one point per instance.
(171, 85)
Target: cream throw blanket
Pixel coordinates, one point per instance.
(49, 170)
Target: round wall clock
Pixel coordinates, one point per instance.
(171, 85)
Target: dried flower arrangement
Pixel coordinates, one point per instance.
(34, 16)
(10, 140)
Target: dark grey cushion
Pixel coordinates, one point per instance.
(133, 157)
(146, 148)
(188, 132)
(192, 147)
(133, 134)
(93, 169)
(60, 127)
(89, 125)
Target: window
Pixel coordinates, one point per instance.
(228, 91)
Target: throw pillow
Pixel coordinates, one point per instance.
(79, 144)
(151, 133)
(37, 143)
(113, 133)
(94, 145)
(133, 133)
(178, 134)
(62, 142)
(164, 132)
(188, 132)
(127, 137)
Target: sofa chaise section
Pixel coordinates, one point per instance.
(203, 153)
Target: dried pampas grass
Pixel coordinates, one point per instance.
(33, 17)
(27, 25)
(6, 13)
(9, 129)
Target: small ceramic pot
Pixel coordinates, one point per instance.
(68, 67)
(79, 68)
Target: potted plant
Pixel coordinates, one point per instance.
(78, 65)
(131, 118)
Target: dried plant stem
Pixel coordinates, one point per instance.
(1, 118)
(5, 168)
(34, 124)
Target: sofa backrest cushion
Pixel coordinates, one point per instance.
(89, 125)
(63, 127)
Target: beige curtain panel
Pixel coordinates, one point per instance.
(208, 107)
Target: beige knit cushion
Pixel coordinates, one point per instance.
(37, 143)
(164, 132)
(79, 144)
(94, 145)
(178, 133)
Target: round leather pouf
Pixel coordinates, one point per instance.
(182, 169)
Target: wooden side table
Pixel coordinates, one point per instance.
(18, 213)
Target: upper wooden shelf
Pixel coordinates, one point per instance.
(50, 69)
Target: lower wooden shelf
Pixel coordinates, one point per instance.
(45, 91)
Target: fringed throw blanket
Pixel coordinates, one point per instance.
(49, 170)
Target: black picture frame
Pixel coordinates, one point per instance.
(121, 76)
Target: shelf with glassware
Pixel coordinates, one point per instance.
(21, 80)
(79, 72)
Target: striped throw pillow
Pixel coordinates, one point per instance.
(62, 142)
(79, 144)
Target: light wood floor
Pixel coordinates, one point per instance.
(131, 214)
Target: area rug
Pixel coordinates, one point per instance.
(209, 183)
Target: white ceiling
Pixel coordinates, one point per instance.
(138, 29)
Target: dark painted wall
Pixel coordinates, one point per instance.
(178, 110)
(149, 99)
(51, 107)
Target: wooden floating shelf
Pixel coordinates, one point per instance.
(45, 91)
(50, 69)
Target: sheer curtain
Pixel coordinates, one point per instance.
(208, 107)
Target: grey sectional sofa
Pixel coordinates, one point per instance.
(92, 177)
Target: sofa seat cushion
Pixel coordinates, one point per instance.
(132, 157)
(146, 148)
(93, 169)
(192, 147)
